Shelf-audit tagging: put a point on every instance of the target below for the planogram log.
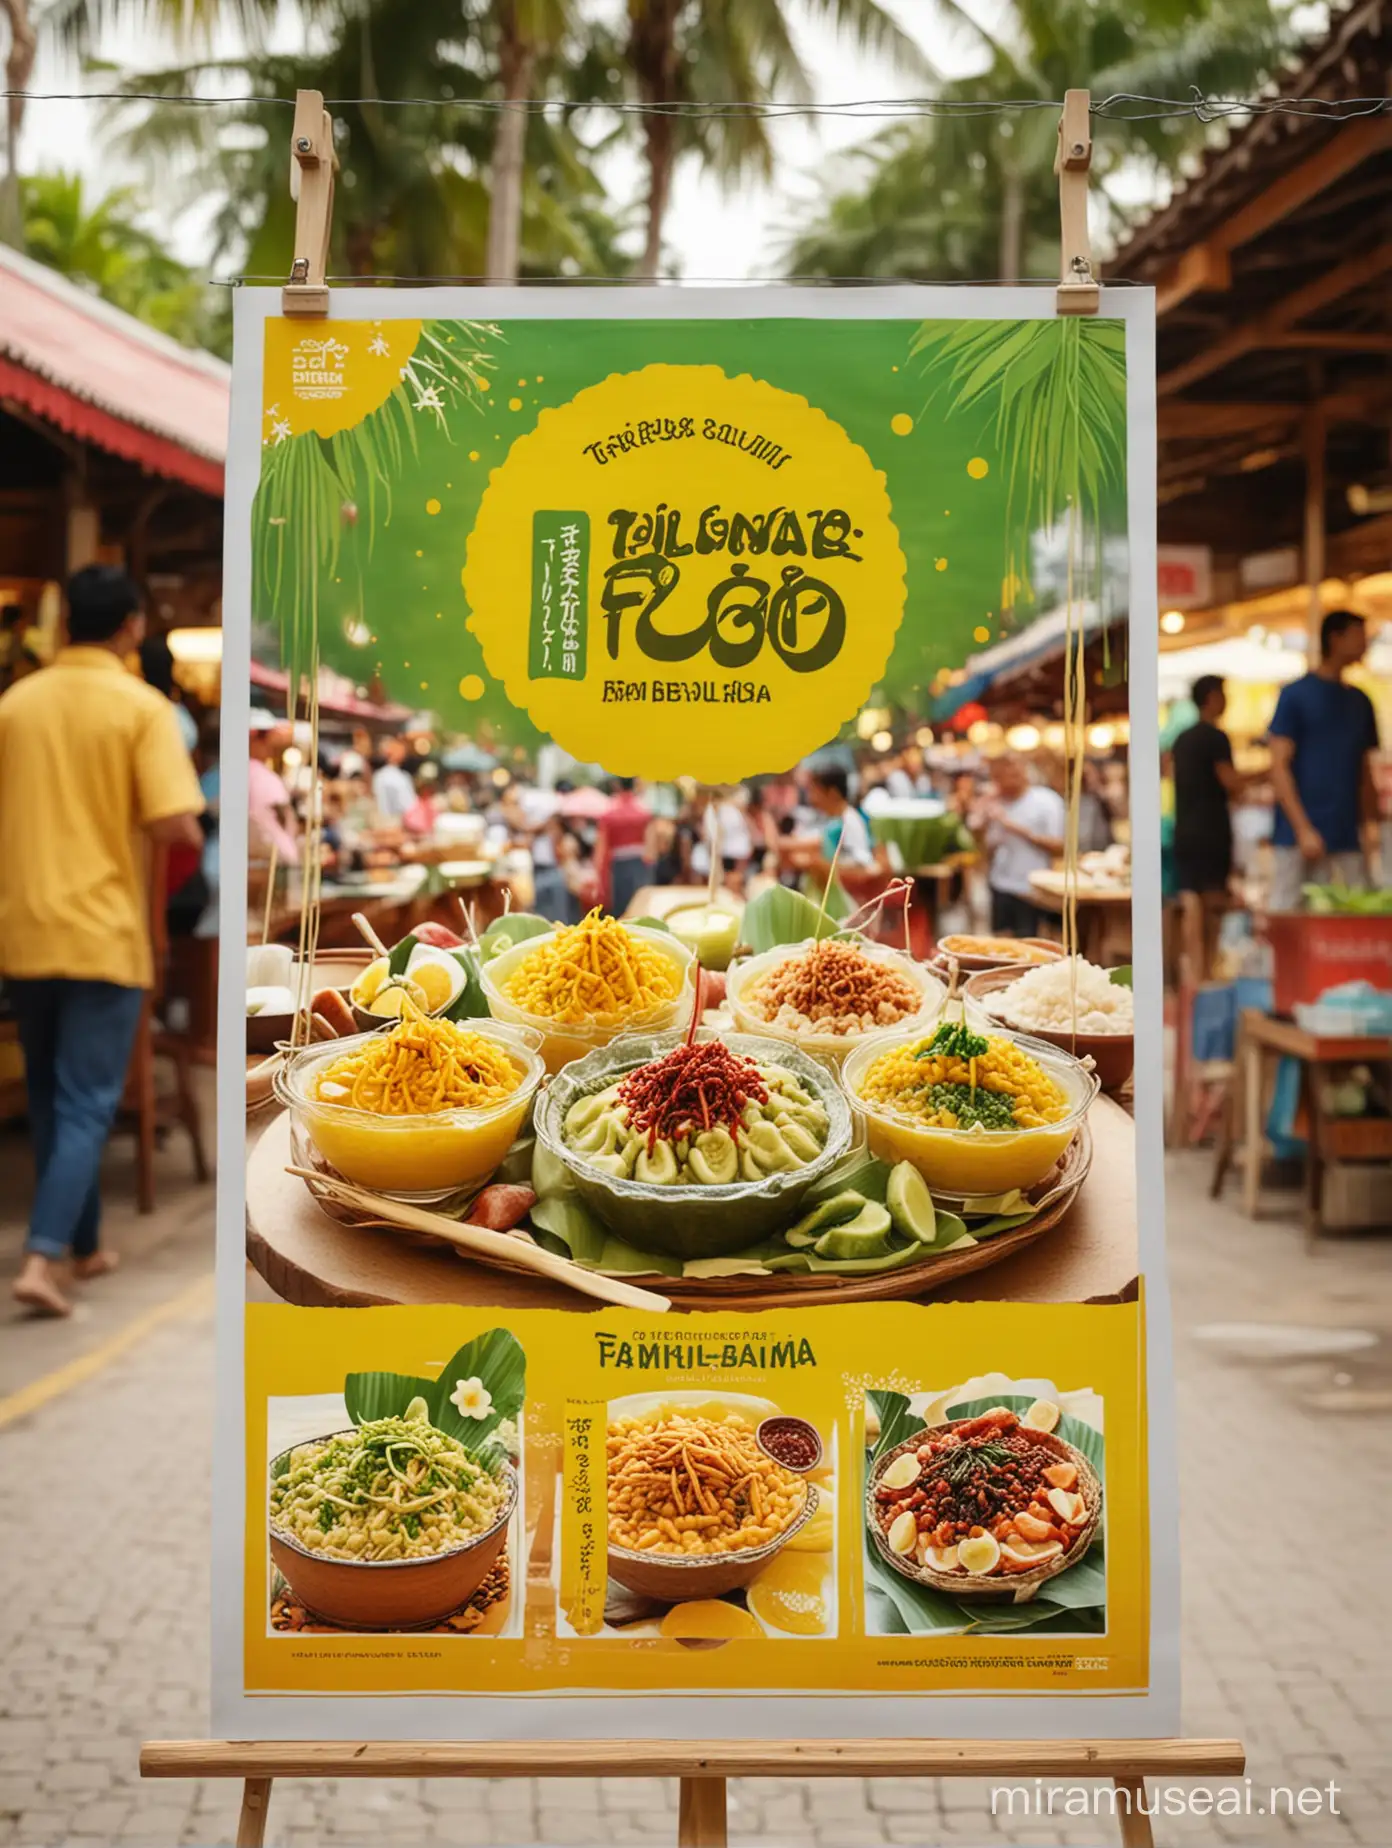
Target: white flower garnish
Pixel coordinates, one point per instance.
(471, 1398)
(429, 399)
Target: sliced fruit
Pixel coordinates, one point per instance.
(903, 1532)
(1062, 1475)
(365, 988)
(910, 1203)
(865, 1236)
(702, 1619)
(1069, 1506)
(389, 1003)
(942, 1559)
(840, 1209)
(979, 1554)
(902, 1472)
(1024, 1555)
(790, 1595)
(1043, 1415)
(439, 976)
(1030, 1527)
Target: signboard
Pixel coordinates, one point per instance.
(1185, 576)
(639, 1348)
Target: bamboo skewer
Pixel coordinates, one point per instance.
(270, 898)
(478, 1241)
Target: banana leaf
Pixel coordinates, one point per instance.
(781, 915)
(516, 927)
(587, 1240)
(1003, 1222)
(897, 1421)
(495, 1358)
(857, 1173)
(399, 955)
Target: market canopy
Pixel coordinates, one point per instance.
(75, 362)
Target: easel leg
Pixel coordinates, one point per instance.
(701, 1813)
(251, 1824)
(1132, 1814)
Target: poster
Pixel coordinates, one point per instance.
(879, 1439)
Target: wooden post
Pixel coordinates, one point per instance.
(1078, 292)
(1313, 443)
(1131, 1812)
(312, 188)
(701, 1816)
(251, 1823)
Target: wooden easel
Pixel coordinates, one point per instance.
(703, 1767)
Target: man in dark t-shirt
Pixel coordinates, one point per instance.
(1204, 782)
(1323, 738)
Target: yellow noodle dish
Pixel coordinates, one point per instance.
(589, 982)
(974, 1113)
(427, 1108)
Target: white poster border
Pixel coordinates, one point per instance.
(585, 1714)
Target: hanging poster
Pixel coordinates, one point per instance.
(691, 1260)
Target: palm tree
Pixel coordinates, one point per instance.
(107, 249)
(910, 213)
(435, 188)
(721, 53)
(19, 65)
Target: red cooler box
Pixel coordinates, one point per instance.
(1314, 952)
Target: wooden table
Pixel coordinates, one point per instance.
(1261, 1040)
(1104, 915)
(315, 1261)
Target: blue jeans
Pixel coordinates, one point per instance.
(77, 1039)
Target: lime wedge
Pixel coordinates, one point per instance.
(910, 1203)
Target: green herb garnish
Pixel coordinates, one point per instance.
(972, 1104)
(955, 1040)
(970, 1460)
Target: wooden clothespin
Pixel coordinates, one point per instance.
(312, 166)
(1078, 292)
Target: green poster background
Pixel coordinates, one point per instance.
(984, 429)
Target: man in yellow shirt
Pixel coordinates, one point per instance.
(91, 768)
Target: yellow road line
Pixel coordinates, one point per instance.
(48, 1386)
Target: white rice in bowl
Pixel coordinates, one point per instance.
(1044, 999)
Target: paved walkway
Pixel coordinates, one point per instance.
(1286, 1468)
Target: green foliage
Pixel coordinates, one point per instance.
(108, 248)
(495, 1358)
(970, 195)
(781, 915)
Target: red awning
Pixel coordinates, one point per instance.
(337, 695)
(79, 364)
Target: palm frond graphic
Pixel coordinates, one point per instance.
(1058, 388)
(308, 482)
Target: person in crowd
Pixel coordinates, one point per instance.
(186, 894)
(90, 760)
(720, 816)
(1205, 783)
(619, 846)
(898, 779)
(270, 811)
(842, 826)
(1023, 826)
(392, 788)
(1323, 738)
(419, 820)
(1094, 817)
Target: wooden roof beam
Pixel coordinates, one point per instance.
(1266, 329)
(1318, 340)
(1208, 265)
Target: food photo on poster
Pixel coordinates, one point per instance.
(673, 972)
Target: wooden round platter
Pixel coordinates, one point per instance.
(308, 1257)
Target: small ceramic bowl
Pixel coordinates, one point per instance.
(833, 1048)
(1113, 1055)
(766, 1436)
(389, 1594)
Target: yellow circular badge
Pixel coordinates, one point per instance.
(682, 573)
(326, 376)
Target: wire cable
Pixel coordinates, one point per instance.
(1124, 105)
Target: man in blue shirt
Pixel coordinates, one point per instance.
(1322, 739)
